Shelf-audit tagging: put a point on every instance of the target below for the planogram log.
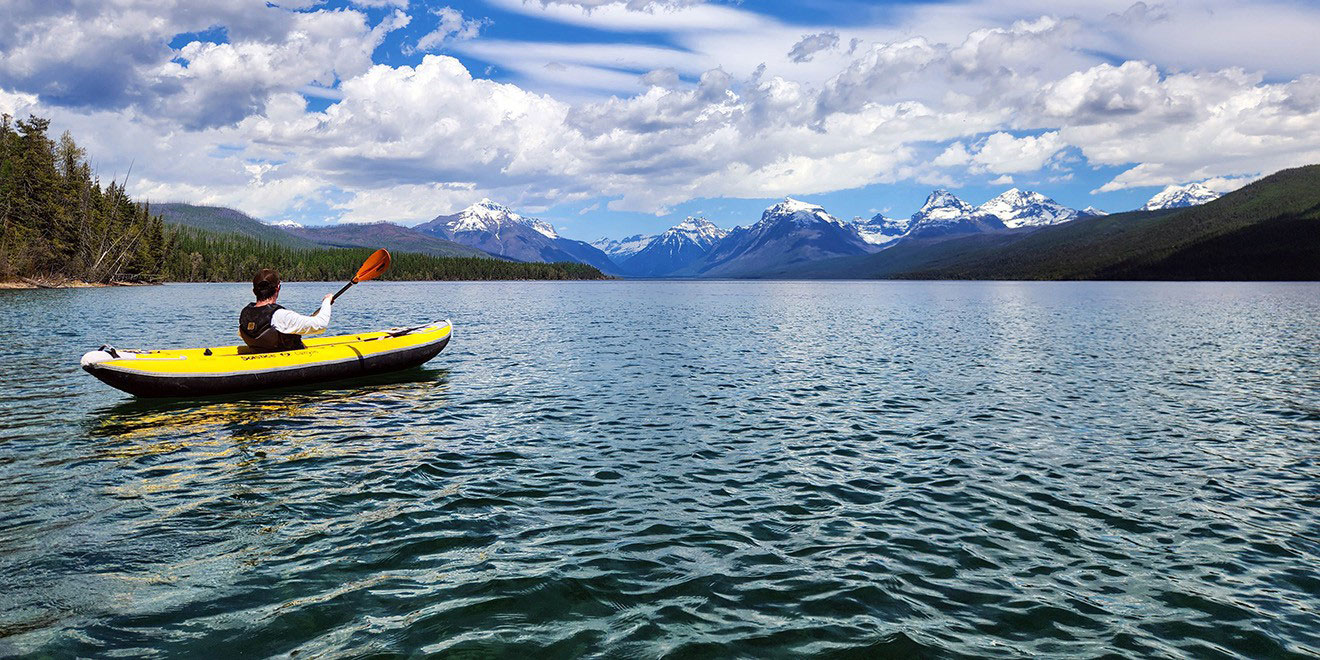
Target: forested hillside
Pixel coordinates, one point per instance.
(221, 220)
(59, 222)
(201, 256)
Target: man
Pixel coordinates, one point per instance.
(266, 326)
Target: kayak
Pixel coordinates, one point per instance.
(232, 369)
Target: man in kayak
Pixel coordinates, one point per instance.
(266, 326)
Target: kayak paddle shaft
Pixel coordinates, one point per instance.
(341, 291)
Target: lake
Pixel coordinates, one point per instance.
(704, 468)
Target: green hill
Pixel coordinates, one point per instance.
(221, 220)
(1267, 230)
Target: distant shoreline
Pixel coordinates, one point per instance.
(36, 283)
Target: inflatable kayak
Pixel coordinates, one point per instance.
(230, 369)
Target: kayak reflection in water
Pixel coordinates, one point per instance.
(266, 326)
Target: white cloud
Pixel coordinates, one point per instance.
(1002, 180)
(1006, 87)
(811, 44)
(452, 27)
(954, 154)
(1003, 154)
(115, 55)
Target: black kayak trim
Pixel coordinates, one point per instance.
(155, 385)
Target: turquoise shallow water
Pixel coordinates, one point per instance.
(641, 469)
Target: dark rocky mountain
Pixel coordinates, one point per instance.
(944, 214)
(677, 248)
(790, 232)
(586, 253)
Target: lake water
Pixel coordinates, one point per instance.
(635, 469)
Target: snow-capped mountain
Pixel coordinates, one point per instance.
(619, 250)
(675, 249)
(944, 214)
(490, 217)
(1024, 208)
(1176, 197)
(880, 229)
(1091, 212)
(789, 232)
(286, 224)
(496, 229)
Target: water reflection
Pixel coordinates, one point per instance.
(144, 419)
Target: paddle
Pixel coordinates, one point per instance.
(377, 263)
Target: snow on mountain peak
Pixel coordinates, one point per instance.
(545, 228)
(941, 207)
(790, 205)
(488, 215)
(1025, 208)
(802, 213)
(624, 247)
(1176, 197)
(943, 199)
(881, 229)
(701, 231)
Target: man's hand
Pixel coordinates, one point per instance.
(329, 297)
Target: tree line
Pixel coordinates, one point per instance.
(201, 256)
(59, 222)
(57, 219)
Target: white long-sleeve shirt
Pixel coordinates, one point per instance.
(292, 323)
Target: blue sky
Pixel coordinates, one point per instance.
(619, 117)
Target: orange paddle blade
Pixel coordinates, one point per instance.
(377, 263)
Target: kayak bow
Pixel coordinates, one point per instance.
(231, 369)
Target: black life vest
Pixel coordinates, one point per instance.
(255, 329)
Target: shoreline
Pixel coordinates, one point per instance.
(32, 283)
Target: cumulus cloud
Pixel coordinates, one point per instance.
(716, 109)
(955, 154)
(1003, 154)
(812, 44)
(116, 55)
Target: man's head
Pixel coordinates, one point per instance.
(266, 284)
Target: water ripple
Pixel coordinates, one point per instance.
(641, 469)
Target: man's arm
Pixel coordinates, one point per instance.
(292, 323)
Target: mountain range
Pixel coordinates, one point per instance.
(792, 232)
(791, 238)
(1268, 230)
(789, 232)
(675, 249)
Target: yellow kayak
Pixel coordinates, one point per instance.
(230, 369)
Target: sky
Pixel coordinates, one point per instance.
(616, 117)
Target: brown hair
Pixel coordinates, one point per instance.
(265, 283)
